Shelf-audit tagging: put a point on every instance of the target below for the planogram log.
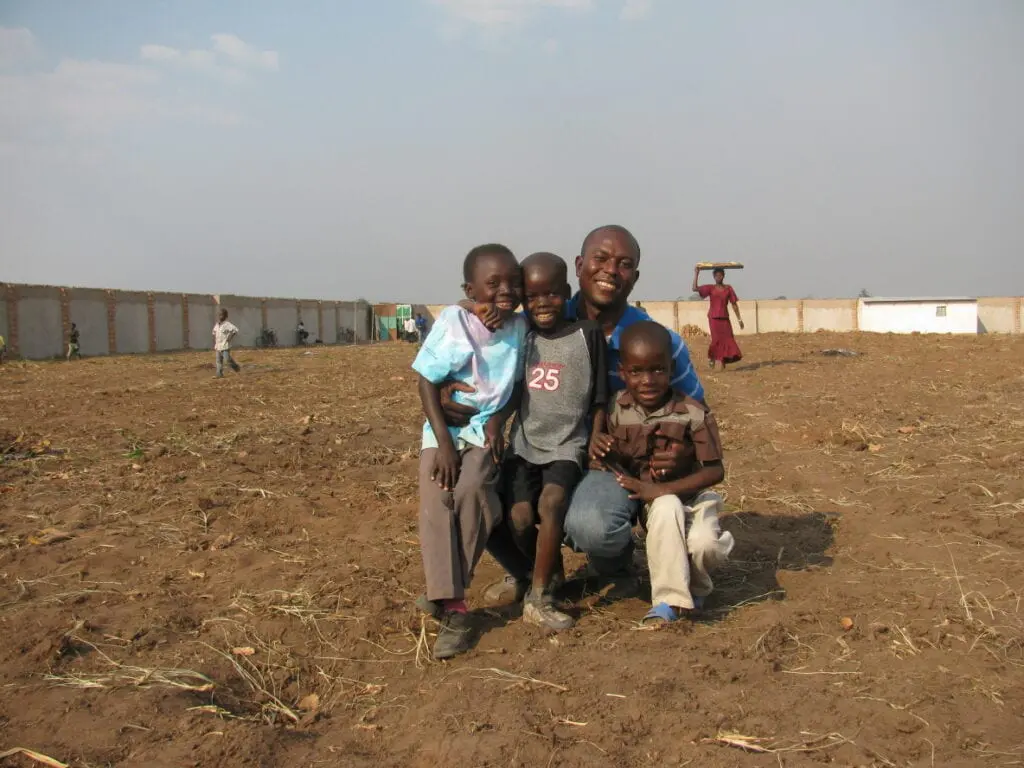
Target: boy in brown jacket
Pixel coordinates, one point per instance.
(684, 539)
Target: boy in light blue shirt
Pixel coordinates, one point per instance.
(459, 504)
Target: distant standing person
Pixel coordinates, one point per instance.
(421, 328)
(73, 349)
(302, 333)
(724, 348)
(3, 349)
(409, 328)
(223, 333)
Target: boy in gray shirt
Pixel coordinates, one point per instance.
(563, 404)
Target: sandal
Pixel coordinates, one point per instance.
(662, 613)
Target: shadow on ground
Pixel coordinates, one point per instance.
(765, 545)
(765, 364)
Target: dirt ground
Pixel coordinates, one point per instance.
(221, 573)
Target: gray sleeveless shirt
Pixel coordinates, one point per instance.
(566, 377)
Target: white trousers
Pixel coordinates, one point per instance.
(684, 544)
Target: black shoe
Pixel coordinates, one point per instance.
(454, 637)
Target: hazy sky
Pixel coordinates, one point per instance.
(358, 149)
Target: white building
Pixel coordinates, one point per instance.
(918, 315)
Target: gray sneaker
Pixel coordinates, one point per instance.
(508, 590)
(454, 637)
(512, 590)
(540, 611)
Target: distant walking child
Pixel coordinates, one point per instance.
(73, 349)
(563, 403)
(459, 503)
(223, 333)
(421, 329)
(684, 540)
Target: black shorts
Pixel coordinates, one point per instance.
(524, 481)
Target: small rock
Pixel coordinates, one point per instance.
(846, 623)
(839, 353)
(310, 703)
(245, 650)
(223, 541)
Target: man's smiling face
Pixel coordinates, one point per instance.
(608, 268)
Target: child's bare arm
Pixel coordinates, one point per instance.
(494, 430)
(601, 443)
(710, 474)
(446, 465)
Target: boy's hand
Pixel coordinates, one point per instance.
(456, 414)
(601, 444)
(446, 468)
(489, 315)
(640, 490)
(494, 432)
(670, 461)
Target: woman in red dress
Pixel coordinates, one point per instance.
(723, 347)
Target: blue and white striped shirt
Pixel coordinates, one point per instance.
(685, 377)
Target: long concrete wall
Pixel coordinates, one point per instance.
(1000, 315)
(131, 322)
(309, 314)
(4, 331)
(38, 329)
(168, 322)
(995, 315)
(246, 314)
(35, 320)
(202, 314)
(89, 309)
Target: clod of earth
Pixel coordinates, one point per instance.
(49, 536)
(223, 541)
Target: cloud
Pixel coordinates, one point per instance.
(229, 57)
(550, 46)
(17, 46)
(634, 10)
(73, 107)
(244, 55)
(495, 15)
(79, 97)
